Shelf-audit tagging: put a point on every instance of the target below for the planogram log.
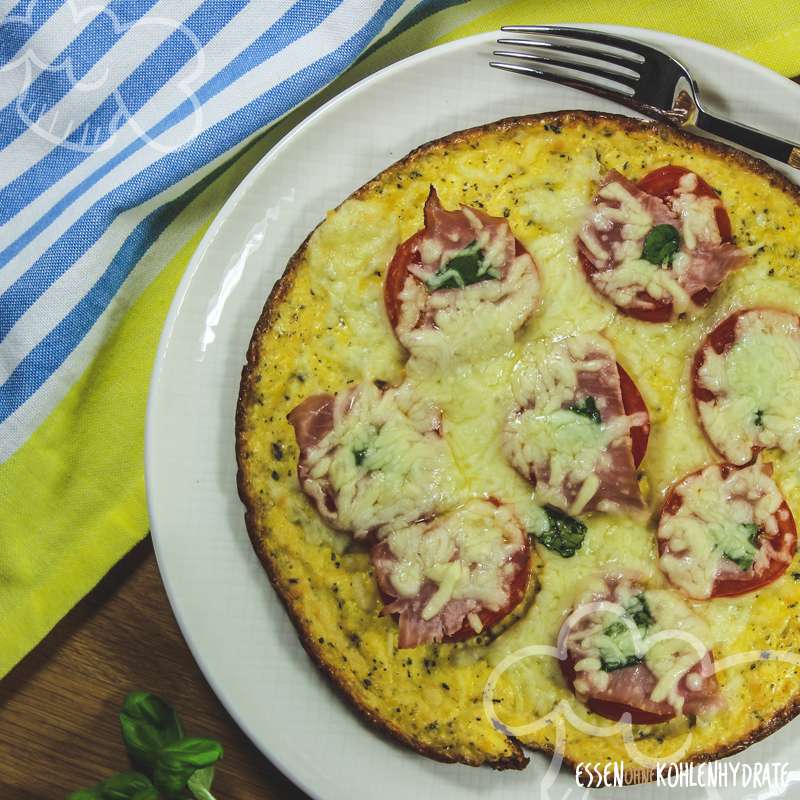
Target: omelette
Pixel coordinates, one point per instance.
(518, 438)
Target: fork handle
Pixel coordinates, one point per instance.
(758, 141)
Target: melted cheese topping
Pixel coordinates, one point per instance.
(384, 460)
(544, 436)
(670, 641)
(466, 553)
(697, 214)
(470, 323)
(756, 383)
(711, 526)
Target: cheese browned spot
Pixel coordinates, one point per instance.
(371, 457)
(720, 524)
(747, 384)
(440, 316)
(569, 433)
(450, 575)
(639, 648)
(613, 241)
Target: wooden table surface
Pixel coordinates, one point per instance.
(58, 707)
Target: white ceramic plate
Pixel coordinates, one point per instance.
(229, 614)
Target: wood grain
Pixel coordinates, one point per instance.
(59, 706)
(58, 723)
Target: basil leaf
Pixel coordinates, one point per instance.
(587, 408)
(200, 784)
(742, 553)
(661, 244)
(618, 649)
(759, 418)
(359, 456)
(125, 786)
(564, 534)
(463, 269)
(638, 610)
(177, 762)
(148, 724)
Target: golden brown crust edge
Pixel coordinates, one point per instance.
(627, 124)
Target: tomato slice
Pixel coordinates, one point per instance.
(662, 183)
(720, 340)
(517, 589)
(633, 403)
(397, 273)
(729, 586)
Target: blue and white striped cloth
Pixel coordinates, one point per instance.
(111, 119)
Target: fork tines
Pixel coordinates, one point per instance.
(554, 56)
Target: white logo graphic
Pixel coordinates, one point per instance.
(564, 714)
(71, 122)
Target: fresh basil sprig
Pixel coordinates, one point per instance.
(661, 244)
(171, 765)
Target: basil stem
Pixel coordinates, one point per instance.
(173, 763)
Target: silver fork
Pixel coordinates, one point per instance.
(634, 74)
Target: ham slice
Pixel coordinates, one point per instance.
(611, 242)
(372, 456)
(598, 475)
(413, 630)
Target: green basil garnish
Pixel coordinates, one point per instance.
(178, 762)
(564, 534)
(587, 408)
(638, 610)
(661, 244)
(742, 551)
(759, 418)
(463, 269)
(619, 649)
(171, 764)
(359, 455)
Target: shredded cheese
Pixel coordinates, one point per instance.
(465, 553)
(711, 525)
(756, 384)
(384, 460)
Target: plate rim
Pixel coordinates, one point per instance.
(194, 265)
